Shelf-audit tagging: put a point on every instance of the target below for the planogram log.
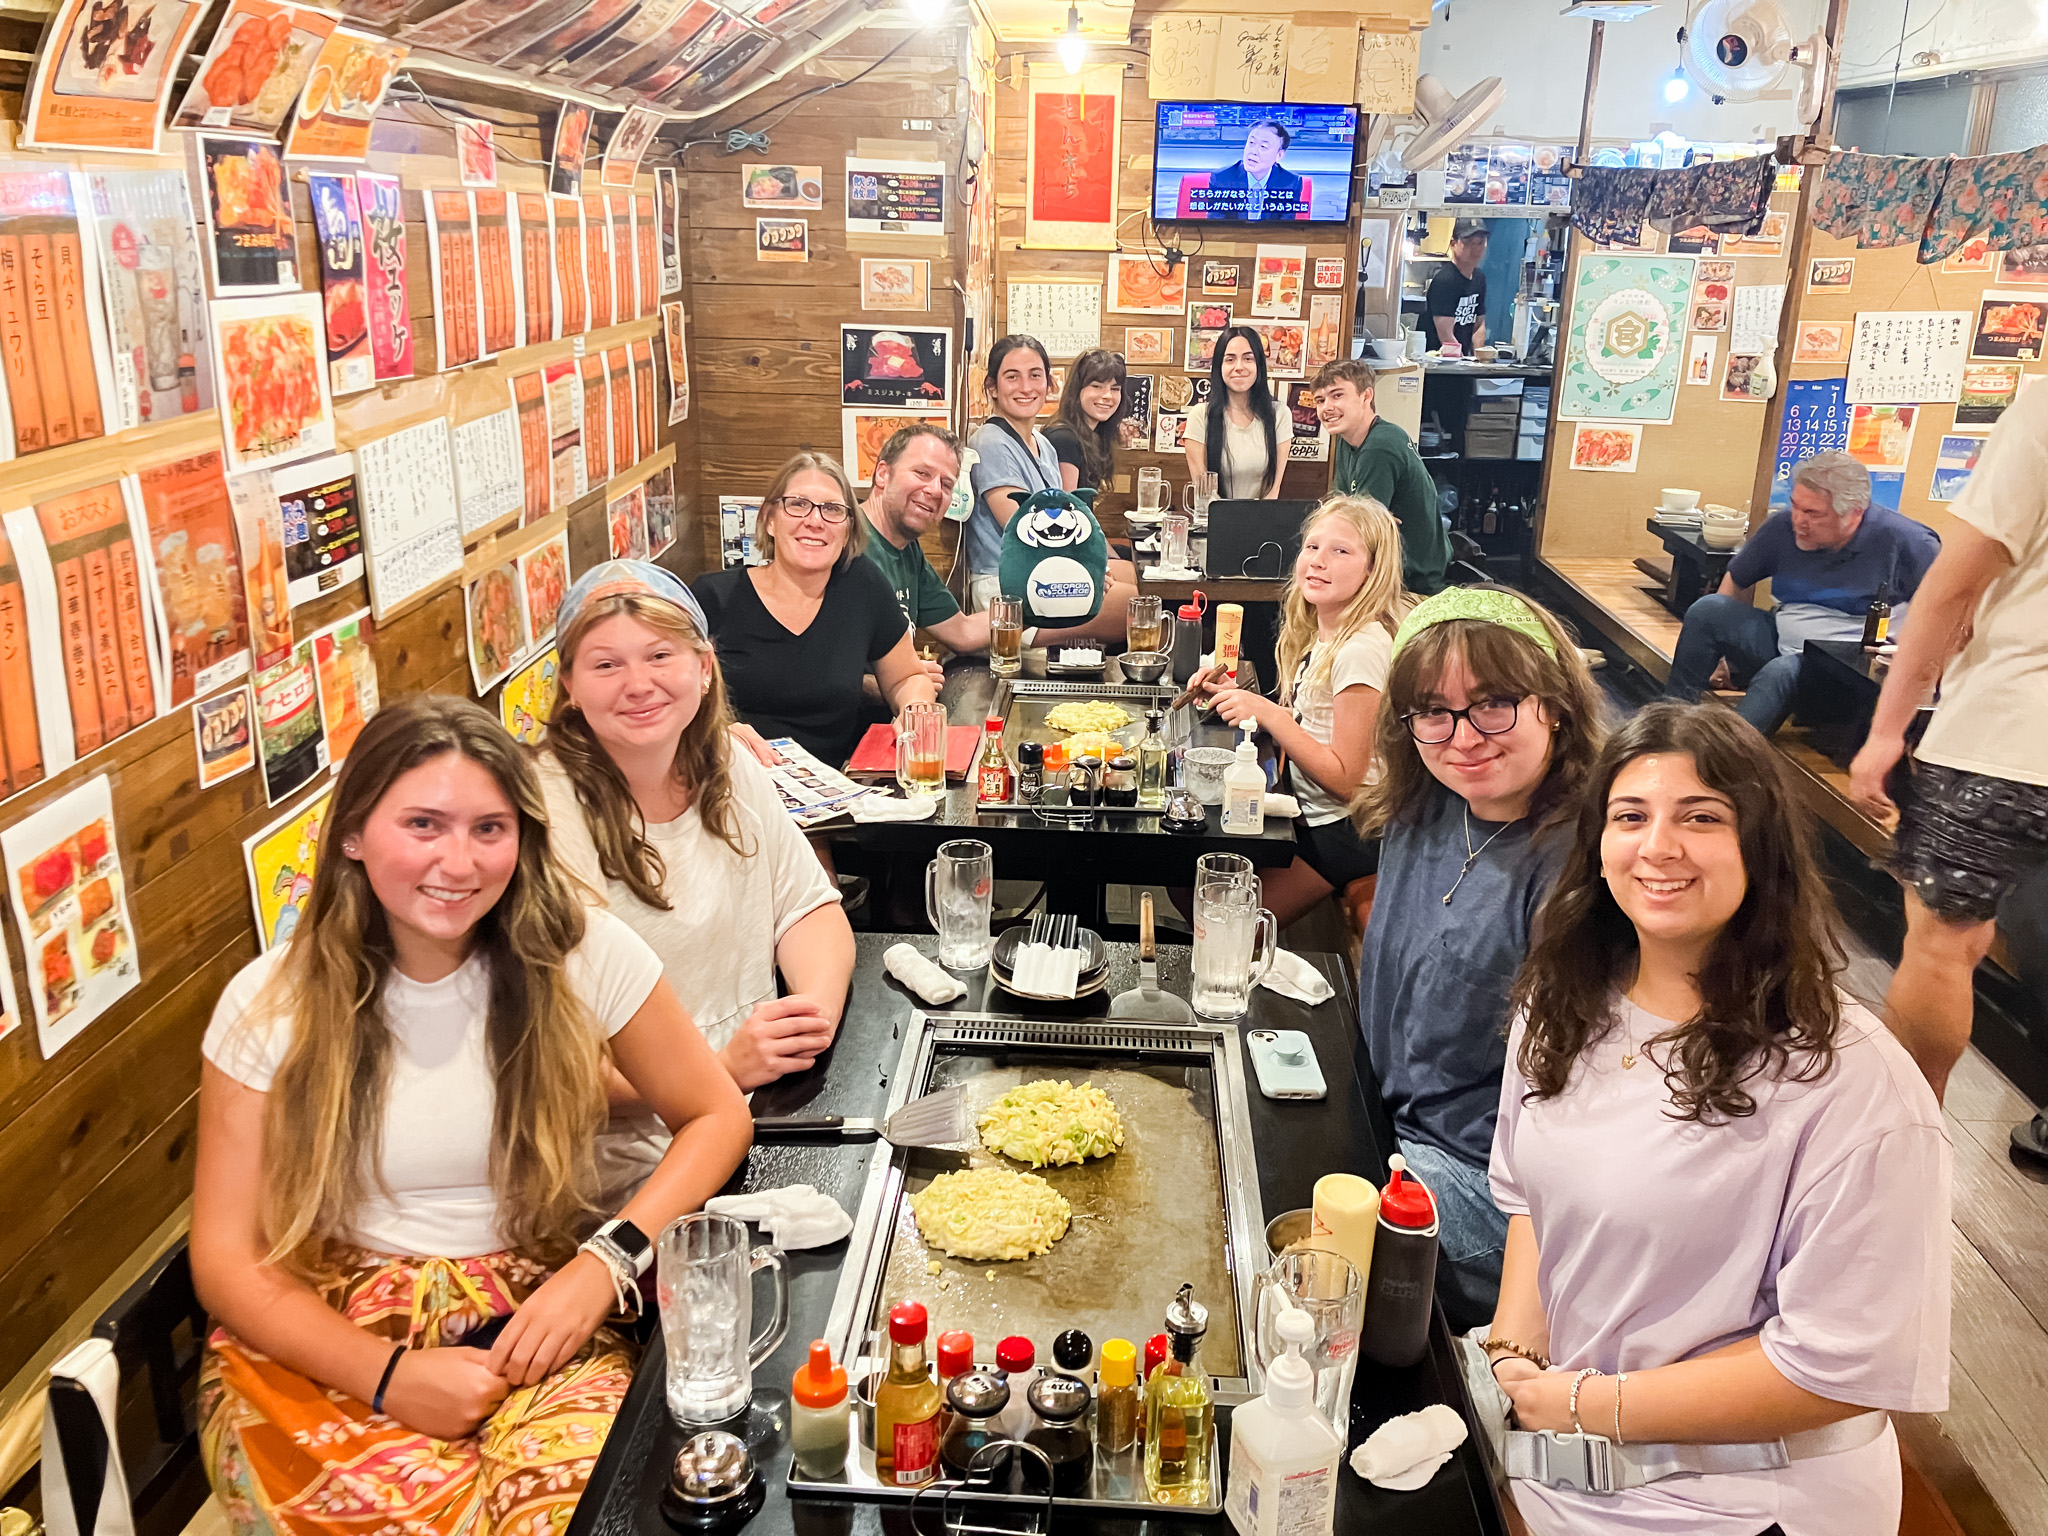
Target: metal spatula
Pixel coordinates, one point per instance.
(936, 1120)
(1145, 1003)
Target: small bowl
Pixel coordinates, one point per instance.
(1389, 351)
(1205, 767)
(1288, 1227)
(1677, 499)
(1722, 538)
(1143, 666)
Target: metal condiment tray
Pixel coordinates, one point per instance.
(1180, 1201)
(1023, 704)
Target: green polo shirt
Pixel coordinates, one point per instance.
(1385, 467)
(923, 596)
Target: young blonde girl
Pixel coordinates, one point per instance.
(1343, 604)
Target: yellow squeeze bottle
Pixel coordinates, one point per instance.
(1346, 1213)
(1229, 636)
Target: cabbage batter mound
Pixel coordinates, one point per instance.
(1050, 1124)
(991, 1213)
(1088, 715)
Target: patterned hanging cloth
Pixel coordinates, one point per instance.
(1879, 200)
(2002, 199)
(1726, 196)
(1609, 204)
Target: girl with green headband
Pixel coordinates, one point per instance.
(1489, 722)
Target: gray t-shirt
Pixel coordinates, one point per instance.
(1433, 980)
(1003, 461)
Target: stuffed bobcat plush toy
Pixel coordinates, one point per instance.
(1055, 558)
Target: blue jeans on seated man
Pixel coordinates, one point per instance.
(1719, 628)
(1472, 1233)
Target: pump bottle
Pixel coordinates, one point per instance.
(1283, 1453)
(1244, 790)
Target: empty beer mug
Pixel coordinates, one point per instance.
(959, 892)
(1173, 543)
(1235, 940)
(704, 1284)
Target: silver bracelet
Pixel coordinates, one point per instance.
(1579, 1381)
(620, 1268)
(1618, 1380)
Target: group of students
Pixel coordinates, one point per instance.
(508, 1043)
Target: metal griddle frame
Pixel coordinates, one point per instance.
(865, 1270)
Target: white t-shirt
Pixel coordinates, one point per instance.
(1244, 450)
(1364, 659)
(1991, 718)
(1821, 1223)
(436, 1153)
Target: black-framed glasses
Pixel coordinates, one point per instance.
(801, 507)
(1489, 717)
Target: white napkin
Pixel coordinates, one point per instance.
(1044, 971)
(890, 808)
(795, 1216)
(1161, 573)
(1280, 807)
(921, 974)
(1292, 976)
(1404, 1453)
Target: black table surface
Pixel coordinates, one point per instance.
(1297, 1142)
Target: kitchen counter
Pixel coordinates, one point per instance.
(1463, 368)
(1297, 1142)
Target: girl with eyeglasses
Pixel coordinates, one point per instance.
(1489, 722)
(1241, 435)
(795, 636)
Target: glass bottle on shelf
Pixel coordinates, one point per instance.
(1180, 1414)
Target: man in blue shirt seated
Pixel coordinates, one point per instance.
(1826, 559)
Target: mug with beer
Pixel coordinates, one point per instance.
(1145, 624)
(1006, 636)
(921, 749)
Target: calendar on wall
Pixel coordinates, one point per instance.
(1067, 317)
(1908, 358)
(1816, 421)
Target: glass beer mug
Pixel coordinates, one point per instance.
(921, 749)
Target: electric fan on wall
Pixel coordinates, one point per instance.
(1743, 50)
(1438, 124)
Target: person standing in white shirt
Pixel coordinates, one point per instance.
(397, 1117)
(1974, 821)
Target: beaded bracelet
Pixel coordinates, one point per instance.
(1618, 1380)
(1579, 1381)
(1535, 1357)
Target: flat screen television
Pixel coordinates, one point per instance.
(1244, 162)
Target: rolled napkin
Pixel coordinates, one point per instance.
(1404, 1453)
(921, 975)
(1292, 976)
(1280, 807)
(795, 1216)
(891, 808)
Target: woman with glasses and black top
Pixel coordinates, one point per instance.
(1488, 723)
(795, 636)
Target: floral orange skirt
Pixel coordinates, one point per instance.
(288, 1456)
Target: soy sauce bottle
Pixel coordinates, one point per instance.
(1877, 619)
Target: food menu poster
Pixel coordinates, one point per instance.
(643, 399)
(597, 233)
(51, 323)
(452, 257)
(571, 143)
(153, 276)
(291, 742)
(497, 270)
(626, 518)
(347, 675)
(1816, 421)
(338, 226)
(259, 531)
(497, 624)
(572, 298)
(323, 537)
(1067, 317)
(224, 735)
(383, 216)
(661, 512)
(255, 68)
(21, 744)
(536, 267)
(563, 392)
(597, 398)
(248, 217)
(628, 143)
(412, 537)
(668, 204)
(102, 75)
(530, 417)
(528, 698)
(543, 583)
(618, 367)
(71, 906)
(895, 197)
(489, 482)
(1908, 356)
(271, 357)
(10, 1010)
(343, 92)
(895, 366)
(201, 606)
(674, 343)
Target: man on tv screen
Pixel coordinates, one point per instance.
(1257, 186)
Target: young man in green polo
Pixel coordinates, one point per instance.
(1373, 457)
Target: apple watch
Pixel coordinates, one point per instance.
(628, 1241)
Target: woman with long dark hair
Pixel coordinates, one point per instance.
(1241, 435)
(1013, 458)
(1085, 428)
(1727, 1186)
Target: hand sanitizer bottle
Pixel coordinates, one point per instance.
(1283, 1453)
(1244, 790)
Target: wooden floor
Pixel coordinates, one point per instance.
(1619, 604)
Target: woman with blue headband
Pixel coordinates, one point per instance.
(1488, 723)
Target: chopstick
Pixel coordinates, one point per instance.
(1194, 687)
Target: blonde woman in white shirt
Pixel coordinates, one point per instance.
(397, 1117)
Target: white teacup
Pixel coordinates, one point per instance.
(1676, 500)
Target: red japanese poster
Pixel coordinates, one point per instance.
(618, 367)
(101, 76)
(567, 475)
(536, 268)
(643, 398)
(530, 402)
(21, 746)
(100, 614)
(351, 364)
(1072, 150)
(572, 296)
(248, 218)
(383, 216)
(598, 259)
(51, 321)
(197, 572)
(495, 264)
(646, 253)
(597, 437)
(625, 300)
(451, 252)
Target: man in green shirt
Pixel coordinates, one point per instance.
(1375, 458)
(913, 486)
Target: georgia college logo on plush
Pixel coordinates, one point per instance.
(1060, 586)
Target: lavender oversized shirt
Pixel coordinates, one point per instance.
(1821, 1223)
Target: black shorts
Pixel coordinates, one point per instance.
(1335, 851)
(1965, 839)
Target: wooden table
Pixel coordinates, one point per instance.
(1297, 1142)
(1696, 566)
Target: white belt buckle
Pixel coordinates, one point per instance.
(1584, 1462)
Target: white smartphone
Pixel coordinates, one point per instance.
(1285, 1062)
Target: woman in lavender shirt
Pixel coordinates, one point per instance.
(1727, 1186)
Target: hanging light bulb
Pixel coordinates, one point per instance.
(1677, 88)
(925, 11)
(1073, 46)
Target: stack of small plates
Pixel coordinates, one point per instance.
(1676, 517)
(1094, 961)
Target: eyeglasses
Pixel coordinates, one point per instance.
(1489, 717)
(801, 507)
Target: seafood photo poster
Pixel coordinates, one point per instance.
(1148, 346)
(497, 270)
(290, 741)
(255, 68)
(280, 860)
(1277, 280)
(801, 187)
(347, 675)
(489, 477)
(259, 534)
(1138, 286)
(536, 267)
(323, 533)
(411, 532)
(1207, 321)
(626, 518)
(338, 227)
(154, 280)
(496, 624)
(1606, 445)
(270, 356)
(343, 92)
(102, 75)
(195, 571)
(57, 367)
(250, 240)
(895, 282)
(782, 239)
(383, 214)
(451, 256)
(2009, 327)
(528, 698)
(901, 366)
(71, 909)
(224, 735)
(543, 583)
(672, 327)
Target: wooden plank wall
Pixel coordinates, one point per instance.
(765, 348)
(96, 1146)
(1136, 234)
